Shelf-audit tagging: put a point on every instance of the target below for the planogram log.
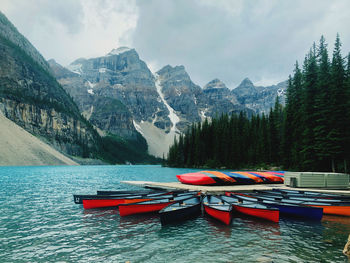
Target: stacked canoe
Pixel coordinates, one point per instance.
(231, 178)
(176, 206)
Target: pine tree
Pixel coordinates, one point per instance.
(292, 134)
(338, 103)
(347, 135)
(322, 109)
(308, 110)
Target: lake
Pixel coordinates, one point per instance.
(39, 222)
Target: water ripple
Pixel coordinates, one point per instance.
(40, 223)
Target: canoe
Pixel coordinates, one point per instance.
(218, 209)
(181, 210)
(254, 209)
(329, 206)
(296, 210)
(117, 192)
(270, 176)
(290, 192)
(78, 199)
(153, 205)
(229, 178)
(114, 201)
(301, 197)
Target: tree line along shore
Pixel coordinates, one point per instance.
(310, 133)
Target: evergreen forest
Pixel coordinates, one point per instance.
(310, 133)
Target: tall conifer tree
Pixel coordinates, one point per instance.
(308, 110)
(338, 103)
(322, 109)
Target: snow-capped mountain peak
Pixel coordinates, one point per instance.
(118, 51)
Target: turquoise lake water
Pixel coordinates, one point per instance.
(39, 222)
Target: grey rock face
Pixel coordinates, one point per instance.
(259, 99)
(186, 98)
(31, 97)
(192, 103)
(123, 77)
(112, 116)
(221, 99)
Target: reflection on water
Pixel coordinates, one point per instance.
(218, 228)
(40, 223)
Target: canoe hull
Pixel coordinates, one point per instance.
(285, 209)
(315, 213)
(221, 215)
(335, 210)
(105, 203)
(179, 215)
(132, 209)
(196, 179)
(267, 214)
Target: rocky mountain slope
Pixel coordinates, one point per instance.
(119, 95)
(32, 98)
(19, 147)
(257, 98)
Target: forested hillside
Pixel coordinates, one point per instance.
(311, 133)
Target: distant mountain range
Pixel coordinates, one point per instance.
(119, 94)
(115, 94)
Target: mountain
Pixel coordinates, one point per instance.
(32, 98)
(258, 98)
(119, 95)
(222, 100)
(125, 85)
(181, 94)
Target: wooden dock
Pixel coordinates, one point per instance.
(222, 189)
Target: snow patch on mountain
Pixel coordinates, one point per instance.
(137, 127)
(172, 115)
(118, 51)
(157, 139)
(203, 112)
(75, 68)
(91, 87)
(281, 92)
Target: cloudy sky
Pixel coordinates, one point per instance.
(225, 39)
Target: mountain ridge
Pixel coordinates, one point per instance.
(123, 76)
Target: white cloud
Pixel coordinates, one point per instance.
(66, 30)
(225, 39)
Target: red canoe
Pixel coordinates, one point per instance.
(103, 201)
(100, 203)
(153, 205)
(218, 209)
(139, 208)
(253, 208)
